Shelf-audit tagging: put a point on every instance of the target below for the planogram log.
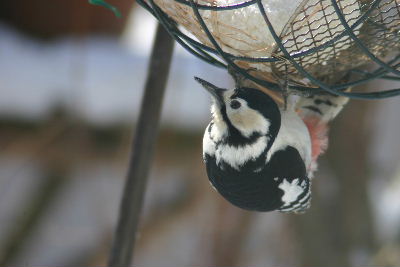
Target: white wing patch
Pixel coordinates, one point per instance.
(291, 191)
(247, 120)
(237, 156)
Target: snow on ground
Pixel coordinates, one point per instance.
(99, 78)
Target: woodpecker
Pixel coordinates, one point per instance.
(258, 156)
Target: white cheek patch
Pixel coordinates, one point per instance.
(291, 191)
(248, 120)
(237, 156)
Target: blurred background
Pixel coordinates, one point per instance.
(71, 80)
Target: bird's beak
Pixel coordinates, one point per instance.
(216, 92)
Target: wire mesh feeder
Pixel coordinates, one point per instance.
(317, 46)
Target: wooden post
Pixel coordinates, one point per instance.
(142, 151)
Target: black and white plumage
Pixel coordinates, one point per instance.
(257, 155)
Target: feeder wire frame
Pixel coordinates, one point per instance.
(282, 57)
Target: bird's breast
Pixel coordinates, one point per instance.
(236, 156)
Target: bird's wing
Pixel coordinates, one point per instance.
(288, 171)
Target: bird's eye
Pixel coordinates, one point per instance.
(235, 104)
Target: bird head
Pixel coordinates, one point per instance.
(243, 113)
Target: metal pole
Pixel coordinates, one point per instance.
(142, 150)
